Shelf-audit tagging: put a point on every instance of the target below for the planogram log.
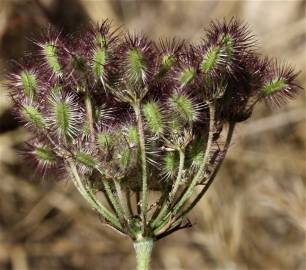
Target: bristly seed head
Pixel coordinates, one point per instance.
(122, 113)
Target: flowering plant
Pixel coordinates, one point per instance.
(144, 123)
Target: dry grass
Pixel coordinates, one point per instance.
(254, 216)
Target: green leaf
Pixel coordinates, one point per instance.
(187, 76)
(153, 117)
(32, 115)
(29, 83)
(273, 87)
(98, 62)
(50, 52)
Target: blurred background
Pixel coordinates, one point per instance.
(253, 217)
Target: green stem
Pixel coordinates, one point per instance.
(212, 176)
(112, 198)
(109, 194)
(165, 210)
(89, 196)
(144, 203)
(122, 200)
(200, 172)
(143, 249)
(89, 112)
(179, 176)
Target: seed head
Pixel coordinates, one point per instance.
(124, 115)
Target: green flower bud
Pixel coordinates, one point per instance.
(195, 153)
(132, 135)
(166, 64)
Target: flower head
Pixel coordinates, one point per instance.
(123, 114)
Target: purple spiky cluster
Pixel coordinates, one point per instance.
(146, 115)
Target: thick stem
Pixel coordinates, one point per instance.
(143, 249)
